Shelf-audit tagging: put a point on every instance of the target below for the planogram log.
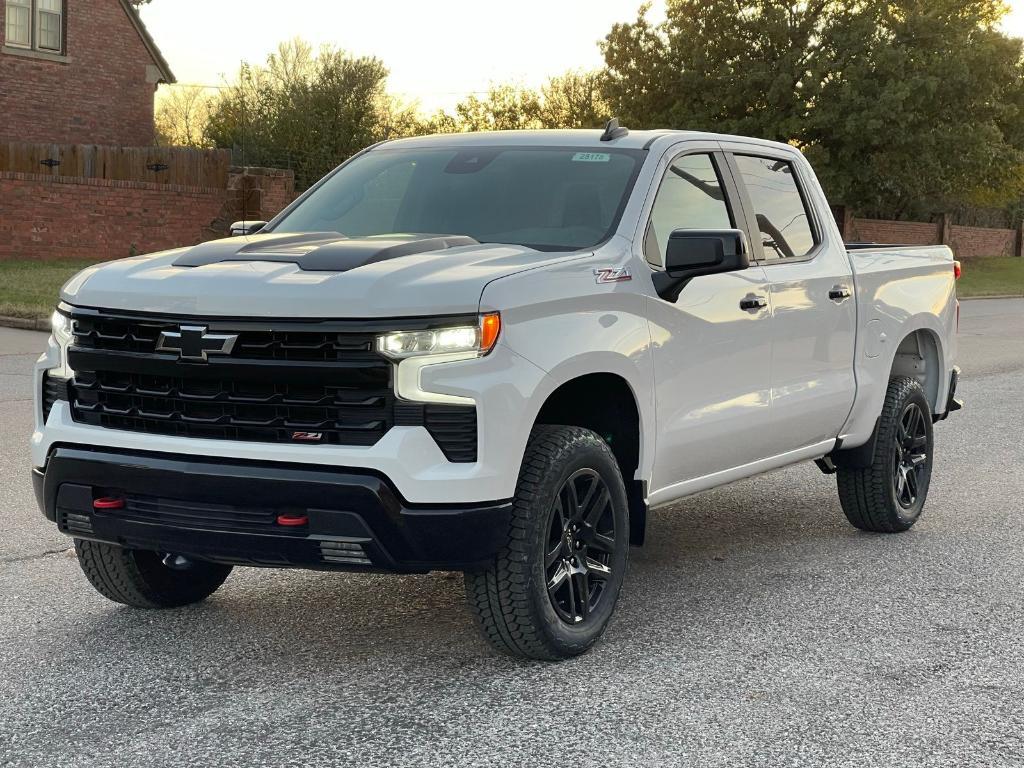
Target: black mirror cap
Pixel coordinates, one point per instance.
(240, 228)
(693, 252)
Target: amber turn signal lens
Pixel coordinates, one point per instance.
(490, 328)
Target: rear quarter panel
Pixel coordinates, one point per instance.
(900, 290)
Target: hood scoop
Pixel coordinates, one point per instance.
(318, 251)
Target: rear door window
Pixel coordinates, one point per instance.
(779, 206)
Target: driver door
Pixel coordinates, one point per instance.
(711, 356)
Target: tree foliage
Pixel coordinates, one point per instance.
(906, 106)
(182, 115)
(307, 110)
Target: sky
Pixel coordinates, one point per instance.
(438, 51)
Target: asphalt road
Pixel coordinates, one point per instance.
(756, 628)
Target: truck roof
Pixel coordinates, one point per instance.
(560, 138)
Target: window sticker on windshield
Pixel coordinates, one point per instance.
(591, 157)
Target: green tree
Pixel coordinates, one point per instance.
(573, 100)
(918, 109)
(307, 110)
(506, 107)
(906, 106)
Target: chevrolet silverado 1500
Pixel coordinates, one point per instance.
(490, 353)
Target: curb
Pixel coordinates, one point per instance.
(1000, 296)
(25, 323)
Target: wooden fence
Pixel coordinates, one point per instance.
(158, 165)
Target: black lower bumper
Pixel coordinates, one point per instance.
(231, 512)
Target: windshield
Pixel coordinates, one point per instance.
(544, 198)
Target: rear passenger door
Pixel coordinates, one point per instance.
(811, 285)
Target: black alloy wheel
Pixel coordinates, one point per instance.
(910, 457)
(580, 544)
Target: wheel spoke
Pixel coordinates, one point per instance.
(553, 555)
(598, 570)
(901, 482)
(593, 514)
(601, 543)
(582, 594)
(572, 595)
(588, 497)
(557, 579)
(911, 485)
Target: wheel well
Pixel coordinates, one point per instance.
(918, 357)
(604, 403)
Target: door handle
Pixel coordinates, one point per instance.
(752, 303)
(839, 293)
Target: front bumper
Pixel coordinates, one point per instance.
(227, 511)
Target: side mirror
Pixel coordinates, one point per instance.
(694, 252)
(245, 228)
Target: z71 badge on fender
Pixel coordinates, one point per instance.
(612, 274)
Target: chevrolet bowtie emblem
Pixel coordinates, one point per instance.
(192, 342)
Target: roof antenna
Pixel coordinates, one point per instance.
(612, 130)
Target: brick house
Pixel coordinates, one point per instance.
(77, 72)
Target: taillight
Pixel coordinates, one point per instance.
(957, 270)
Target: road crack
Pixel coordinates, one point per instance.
(36, 556)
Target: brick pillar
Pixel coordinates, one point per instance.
(1018, 246)
(843, 215)
(945, 229)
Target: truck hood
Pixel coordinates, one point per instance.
(263, 276)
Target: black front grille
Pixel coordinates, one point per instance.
(141, 335)
(292, 382)
(299, 384)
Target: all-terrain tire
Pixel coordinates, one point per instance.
(140, 579)
(511, 597)
(874, 498)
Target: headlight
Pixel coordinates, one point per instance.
(475, 339)
(60, 325)
(62, 330)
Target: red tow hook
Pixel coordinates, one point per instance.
(108, 502)
(292, 520)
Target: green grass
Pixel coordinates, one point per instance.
(30, 288)
(991, 277)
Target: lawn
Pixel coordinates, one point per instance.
(991, 277)
(29, 288)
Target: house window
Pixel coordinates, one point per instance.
(37, 24)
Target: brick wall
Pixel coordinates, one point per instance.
(980, 241)
(966, 242)
(99, 95)
(902, 232)
(69, 218)
(62, 217)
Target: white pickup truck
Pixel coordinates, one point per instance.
(490, 353)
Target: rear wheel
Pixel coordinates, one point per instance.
(551, 590)
(139, 578)
(888, 496)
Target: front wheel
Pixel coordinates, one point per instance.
(888, 496)
(551, 590)
(139, 578)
